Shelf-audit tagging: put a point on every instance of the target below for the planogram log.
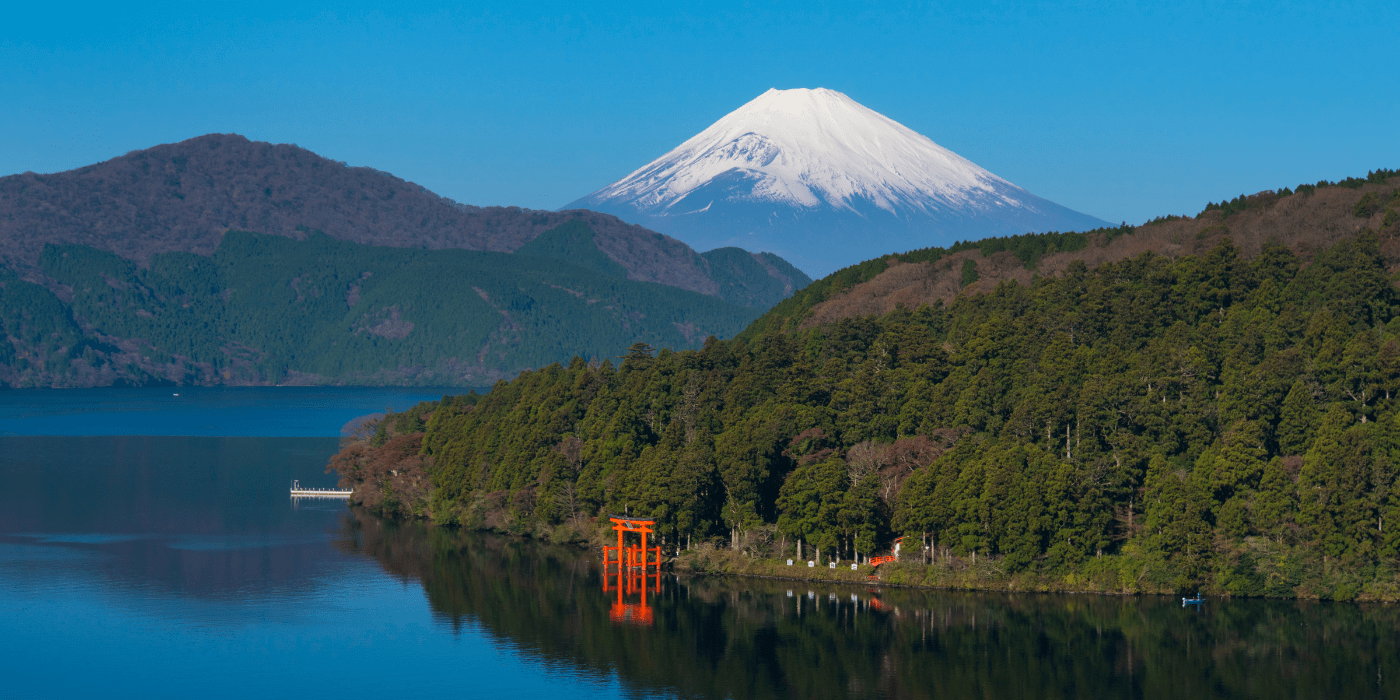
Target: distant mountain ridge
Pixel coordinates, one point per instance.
(824, 182)
(184, 196)
(221, 260)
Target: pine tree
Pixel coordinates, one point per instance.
(1277, 502)
(1296, 420)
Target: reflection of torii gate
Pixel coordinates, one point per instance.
(637, 569)
(628, 583)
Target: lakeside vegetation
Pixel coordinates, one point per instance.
(1153, 424)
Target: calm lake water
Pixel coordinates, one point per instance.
(165, 566)
(211, 411)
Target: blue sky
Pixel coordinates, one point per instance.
(1119, 110)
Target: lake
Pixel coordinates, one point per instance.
(177, 566)
(212, 411)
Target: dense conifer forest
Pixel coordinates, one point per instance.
(1154, 423)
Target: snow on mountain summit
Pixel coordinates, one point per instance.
(796, 167)
(810, 147)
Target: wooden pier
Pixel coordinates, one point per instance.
(299, 491)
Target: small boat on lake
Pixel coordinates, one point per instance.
(1192, 601)
(299, 491)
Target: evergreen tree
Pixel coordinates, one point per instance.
(1176, 515)
(1277, 502)
(1296, 420)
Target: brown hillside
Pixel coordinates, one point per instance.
(1305, 222)
(184, 196)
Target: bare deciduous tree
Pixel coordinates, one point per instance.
(360, 429)
(865, 459)
(567, 500)
(571, 448)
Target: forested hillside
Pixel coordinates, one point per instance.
(183, 197)
(1306, 219)
(272, 309)
(1224, 419)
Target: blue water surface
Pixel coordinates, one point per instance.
(178, 567)
(207, 411)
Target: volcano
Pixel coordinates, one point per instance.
(824, 182)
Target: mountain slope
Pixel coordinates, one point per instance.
(823, 181)
(1223, 418)
(271, 309)
(184, 196)
(1305, 220)
(750, 279)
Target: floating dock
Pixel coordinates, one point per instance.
(299, 491)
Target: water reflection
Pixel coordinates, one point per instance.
(180, 515)
(631, 588)
(127, 556)
(179, 567)
(748, 638)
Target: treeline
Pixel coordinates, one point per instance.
(1209, 420)
(1243, 202)
(1028, 248)
(1031, 248)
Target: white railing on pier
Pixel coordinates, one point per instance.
(299, 491)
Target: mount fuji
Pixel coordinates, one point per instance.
(824, 182)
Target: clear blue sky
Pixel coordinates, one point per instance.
(1122, 111)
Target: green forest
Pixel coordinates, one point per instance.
(1031, 247)
(271, 309)
(1213, 422)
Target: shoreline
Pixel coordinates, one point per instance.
(1122, 574)
(922, 587)
(899, 577)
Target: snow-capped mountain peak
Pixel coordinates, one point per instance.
(788, 156)
(808, 147)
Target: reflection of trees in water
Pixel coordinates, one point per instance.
(746, 638)
(178, 517)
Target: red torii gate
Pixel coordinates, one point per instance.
(634, 565)
(624, 557)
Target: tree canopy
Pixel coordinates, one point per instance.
(1186, 411)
